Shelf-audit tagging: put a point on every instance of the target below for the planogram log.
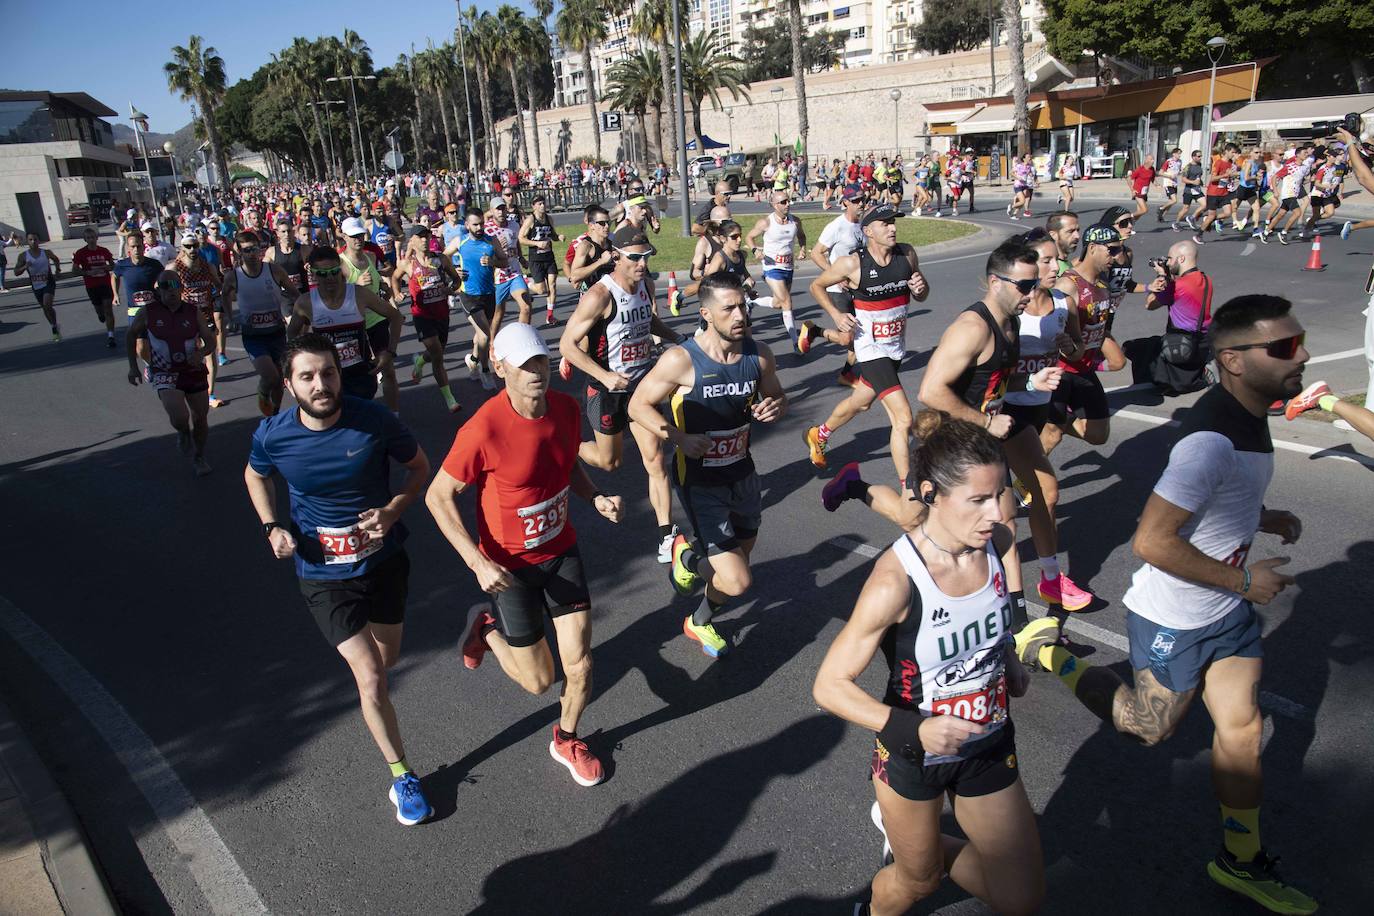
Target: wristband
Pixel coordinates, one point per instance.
(1019, 615)
(1245, 584)
(1327, 402)
(1030, 383)
(902, 730)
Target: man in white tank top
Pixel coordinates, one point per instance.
(43, 268)
(782, 234)
(259, 289)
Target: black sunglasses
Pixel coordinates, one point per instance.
(1284, 348)
(1022, 286)
(599, 222)
(1126, 221)
(1115, 250)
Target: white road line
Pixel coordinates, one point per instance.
(1322, 451)
(1247, 250)
(215, 870)
(1269, 701)
(1332, 357)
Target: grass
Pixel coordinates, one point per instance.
(1322, 416)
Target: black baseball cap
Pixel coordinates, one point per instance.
(883, 213)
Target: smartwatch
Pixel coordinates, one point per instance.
(268, 526)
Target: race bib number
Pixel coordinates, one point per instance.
(164, 379)
(346, 545)
(1094, 334)
(981, 706)
(264, 319)
(1029, 365)
(783, 261)
(727, 446)
(198, 293)
(350, 351)
(506, 276)
(143, 297)
(634, 353)
(544, 521)
(889, 330)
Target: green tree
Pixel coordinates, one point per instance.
(512, 47)
(708, 67)
(482, 44)
(798, 38)
(634, 84)
(653, 21)
(196, 73)
(581, 26)
(352, 57)
(434, 74)
(957, 25)
(1016, 45)
(766, 50)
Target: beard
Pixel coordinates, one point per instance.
(322, 408)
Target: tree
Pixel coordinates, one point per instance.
(301, 73)
(537, 61)
(634, 84)
(654, 22)
(434, 74)
(1016, 44)
(767, 50)
(352, 57)
(581, 26)
(957, 25)
(794, 22)
(482, 44)
(707, 68)
(512, 45)
(196, 72)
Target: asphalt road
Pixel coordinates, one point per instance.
(210, 741)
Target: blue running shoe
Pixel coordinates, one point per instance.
(411, 806)
(222, 360)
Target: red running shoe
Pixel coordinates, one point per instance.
(475, 646)
(1276, 409)
(1308, 399)
(572, 753)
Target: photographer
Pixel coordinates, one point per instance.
(1359, 165)
(1180, 286)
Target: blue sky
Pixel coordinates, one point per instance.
(101, 49)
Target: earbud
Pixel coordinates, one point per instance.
(928, 498)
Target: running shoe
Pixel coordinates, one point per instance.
(815, 445)
(202, 467)
(1197, 239)
(1174, 225)
(265, 406)
(712, 643)
(184, 442)
(683, 579)
(1015, 217)
(110, 342)
(549, 320)
(488, 382)
(833, 493)
(1159, 215)
(1277, 408)
(1191, 225)
(471, 362)
(1283, 237)
(573, 753)
(937, 214)
(565, 370)
(1241, 224)
(1026, 214)
(1264, 236)
(665, 547)
(56, 334)
(847, 378)
(216, 401)
(876, 813)
(411, 806)
(1259, 880)
(1009, 209)
(222, 360)
(417, 368)
(806, 339)
(1023, 493)
(1033, 637)
(1063, 592)
(1345, 230)
(475, 645)
(1306, 400)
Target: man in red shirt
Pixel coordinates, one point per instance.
(519, 453)
(1220, 190)
(94, 263)
(1141, 179)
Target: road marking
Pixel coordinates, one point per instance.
(1249, 247)
(1327, 451)
(1332, 357)
(1269, 701)
(215, 870)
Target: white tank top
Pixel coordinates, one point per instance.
(1038, 350)
(40, 268)
(778, 241)
(948, 655)
(343, 325)
(626, 341)
(259, 301)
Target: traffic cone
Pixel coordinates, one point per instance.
(1314, 260)
(673, 294)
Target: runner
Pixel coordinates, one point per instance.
(1141, 178)
(200, 286)
(781, 231)
(1067, 173)
(719, 198)
(968, 170)
(537, 232)
(503, 226)
(1063, 227)
(345, 530)
(336, 308)
(429, 277)
(954, 180)
(1219, 190)
(477, 256)
(519, 454)
(842, 236)
(95, 263)
(884, 276)
(174, 339)
(1291, 178)
(363, 268)
(259, 290)
(154, 246)
(1192, 191)
(135, 277)
(943, 725)
(1191, 621)
(718, 486)
(1250, 191)
(290, 252)
(1170, 173)
(43, 268)
(1023, 187)
(609, 337)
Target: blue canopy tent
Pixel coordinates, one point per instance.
(706, 143)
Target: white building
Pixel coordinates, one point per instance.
(56, 151)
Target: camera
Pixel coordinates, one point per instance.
(1351, 123)
(1161, 266)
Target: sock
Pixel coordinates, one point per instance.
(691, 559)
(399, 768)
(419, 361)
(1064, 665)
(447, 392)
(1327, 402)
(856, 489)
(664, 531)
(1240, 831)
(791, 325)
(823, 432)
(709, 609)
(565, 736)
(1050, 566)
(109, 333)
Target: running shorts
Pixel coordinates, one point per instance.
(541, 270)
(379, 337)
(342, 607)
(506, 291)
(992, 769)
(41, 292)
(608, 411)
(1022, 415)
(557, 586)
(1318, 201)
(1177, 657)
(425, 328)
(1244, 194)
(273, 345)
(1191, 193)
(1142, 194)
(1216, 201)
(1080, 394)
(775, 273)
(880, 374)
(485, 303)
(187, 381)
(102, 297)
(722, 516)
(1289, 203)
(1170, 191)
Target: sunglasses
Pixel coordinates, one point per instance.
(327, 271)
(189, 246)
(1115, 250)
(1284, 348)
(1124, 223)
(253, 250)
(599, 222)
(734, 238)
(1022, 286)
(168, 284)
(636, 256)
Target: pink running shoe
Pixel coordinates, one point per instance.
(1063, 592)
(475, 645)
(833, 493)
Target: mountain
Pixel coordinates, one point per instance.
(184, 142)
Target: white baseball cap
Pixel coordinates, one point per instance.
(189, 236)
(518, 343)
(130, 214)
(146, 225)
(354, 226)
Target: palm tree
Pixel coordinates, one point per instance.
(707, 68)
(352, 57)
(279, 79)
(537, 55)
(581, 26)
(434, 75)
(634, 84)
(1011, 18)
(794, 23)
(483, 40)
(196, 72)
(654, 22)
(299, 64)
(511, 47)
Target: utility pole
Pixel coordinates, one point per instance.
(467, 96)
(681, 124)
(353, 94)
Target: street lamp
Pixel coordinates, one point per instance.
(548, 144)
(169, 149)
(776, 92)
(329, 133)
(353, 94)
(1216, 47)
(730, 117)
(140, 122)
(896, 96)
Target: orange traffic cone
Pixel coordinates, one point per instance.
(1314, 260)
(673, 294)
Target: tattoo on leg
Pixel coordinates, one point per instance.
(1151, 712)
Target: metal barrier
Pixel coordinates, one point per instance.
(560, 200)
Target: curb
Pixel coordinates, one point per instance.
(76, 877)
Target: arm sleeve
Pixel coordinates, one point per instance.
(258, 458)
(1198, 463)
(400, 441)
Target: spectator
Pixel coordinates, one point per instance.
(1184, 351)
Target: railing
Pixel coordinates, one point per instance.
(1003, 83)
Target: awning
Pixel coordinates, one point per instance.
(1283, 114)
(706, 143)
(993, 119)
(947, 115)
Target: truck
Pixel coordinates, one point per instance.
(741, 171)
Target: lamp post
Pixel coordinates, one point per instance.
(467, 98)
(681, 151)
(329, 133)
(168, 149)
(776, 93)
(896, 96)
(730, 117)
(1216, 47)
(353, 94)
(140, 122)
(548, 144)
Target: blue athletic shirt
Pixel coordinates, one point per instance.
(452, 232)
(480, 280)
(333, 475)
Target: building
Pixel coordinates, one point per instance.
(56, 151)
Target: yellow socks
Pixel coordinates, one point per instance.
(1064, 665)
(1240, 830)
(399, 768)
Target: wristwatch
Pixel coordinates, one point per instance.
(268, 526)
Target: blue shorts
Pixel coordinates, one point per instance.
(1177, 658)
(505, 290)
(273, 345)
(775, 273)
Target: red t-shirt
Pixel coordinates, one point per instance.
(94, 264)
(522, 471)
(1141, 178)
(1222, 169)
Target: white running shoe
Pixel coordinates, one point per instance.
(665, 548)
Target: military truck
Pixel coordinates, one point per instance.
(740, 171)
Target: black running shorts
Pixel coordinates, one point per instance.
(425, 328)
(342, 607)
(102, 297)
(1080, 394)
(540, 270)
(608, 411)
(557, 586)
(990, 770)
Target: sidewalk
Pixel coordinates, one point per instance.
(46, 866)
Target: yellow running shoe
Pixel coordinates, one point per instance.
(1259, 880)
(683, 579)
(815, 445)
(1033, 637)
(712, 643)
